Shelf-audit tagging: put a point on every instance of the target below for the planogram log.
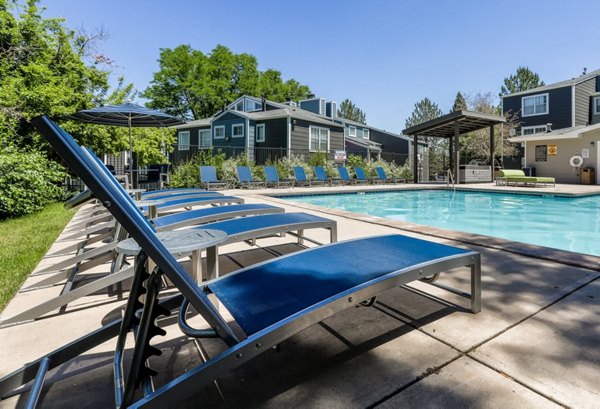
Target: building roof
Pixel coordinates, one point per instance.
(364, 143)
(443, 127)
(198, 123)
(563, 133)
(560, 84)
(348, 121)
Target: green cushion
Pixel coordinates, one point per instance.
(510, 172)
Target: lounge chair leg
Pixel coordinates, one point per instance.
(212, 262)
(301, 237)
(476, 284)
(333, 233)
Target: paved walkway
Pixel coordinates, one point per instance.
(535, 344)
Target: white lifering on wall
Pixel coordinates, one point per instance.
(576, 161)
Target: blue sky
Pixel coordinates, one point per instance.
(383, 55)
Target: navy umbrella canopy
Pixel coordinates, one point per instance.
(130, 115)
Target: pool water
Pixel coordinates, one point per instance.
(565, 223)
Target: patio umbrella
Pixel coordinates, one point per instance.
(130, 115)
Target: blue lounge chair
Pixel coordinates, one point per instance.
(245, 179)
(154, 194)
(361, 177)
(269, 302)
(302, 179)
(272, 178)
(209, 180)
(345, 176)
(381, 175)
(321, 174)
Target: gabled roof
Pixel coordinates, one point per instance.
(465, 121)
(560, 84)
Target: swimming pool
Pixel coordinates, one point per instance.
(565, 223)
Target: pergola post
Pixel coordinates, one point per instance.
(415, 158)
(492, 145)
(457, 151)
(451, 155)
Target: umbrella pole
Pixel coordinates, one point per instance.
(132, 181)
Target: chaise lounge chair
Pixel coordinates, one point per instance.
(269, 302)
(362, 177)
(209, 180)
(302, 179)
(345, 176)
(381, 175)
(516, 176)
(245, 179)
(321, 174)
(272, 178)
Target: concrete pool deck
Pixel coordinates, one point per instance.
(533, 345)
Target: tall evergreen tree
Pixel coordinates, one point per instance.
(350, 111)
(425, 110)
(523, 80)
(459, 103)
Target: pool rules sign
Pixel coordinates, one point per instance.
(552, 150)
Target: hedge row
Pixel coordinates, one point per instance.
(187, 174)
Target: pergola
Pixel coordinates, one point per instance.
(451, 126)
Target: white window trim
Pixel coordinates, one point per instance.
(215, 132)
(596, 106)
(233, 135)
(533, 96)
(368, 133)
(183, 146)
(523, 128)
(200, 138)
(352, 131)
(310, 128)
(261, 126)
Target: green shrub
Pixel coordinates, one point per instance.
(186, 174)
(404, 172)
(355, 160)
(317, 159)
(28, 182)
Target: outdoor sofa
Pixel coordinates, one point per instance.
(516, 176)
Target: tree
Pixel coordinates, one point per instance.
(476, 145)
(350, 111)
(426, 110)
(192, 85)
(523, 80)
(459, 103)
(43, 72)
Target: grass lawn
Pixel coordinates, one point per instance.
(23, 242)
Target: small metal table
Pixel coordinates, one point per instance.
(182, 243)
(152, 205)
(137, 193)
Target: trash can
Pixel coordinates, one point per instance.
(529, 171)
(586, 176)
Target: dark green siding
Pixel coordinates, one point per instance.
(275, 134)
(300, 129)
(228, 120)
(390, 143)
(559, 112)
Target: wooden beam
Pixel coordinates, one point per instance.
(492, 145)
(415, 159)
(457, 153)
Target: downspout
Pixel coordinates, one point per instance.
(247, 138)
(572, 105)
(289, 136)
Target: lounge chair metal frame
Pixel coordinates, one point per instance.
(208, 178)
(266, 334)
(272, 178)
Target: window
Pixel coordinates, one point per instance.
(351, 131)
(530, 130)
(204, 138)
(534, 105)
(184, 141)
(366, 134)
(220, 132)
(597, 106)
(541, 153)
(237, 130)
(260, 133)
(319, 139)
